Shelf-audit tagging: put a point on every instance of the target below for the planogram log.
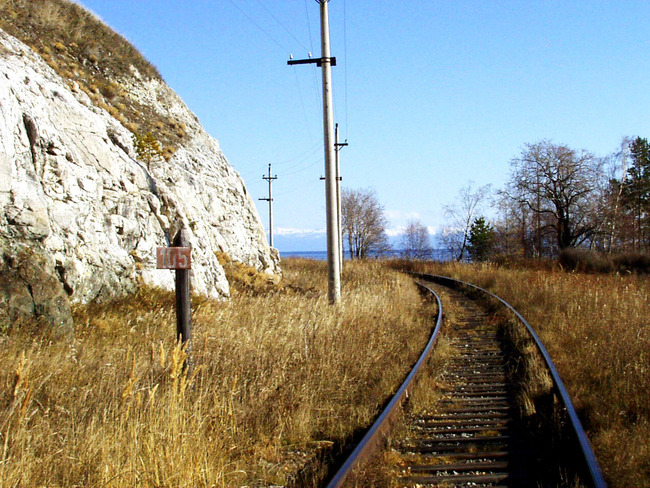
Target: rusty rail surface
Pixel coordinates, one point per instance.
(373, 440)
(596, 478)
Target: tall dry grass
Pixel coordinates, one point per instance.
(280, 379)
(386, 468)
(595, 327)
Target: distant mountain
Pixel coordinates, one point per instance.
(293, 240)
(289, 240)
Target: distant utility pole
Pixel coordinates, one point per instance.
(338, 147)
(333, 242)
(270, 179)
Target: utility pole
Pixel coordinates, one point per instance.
(270, 179)
(333, 242)
(338, 147)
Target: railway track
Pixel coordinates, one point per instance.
(478, 433)
(475, 437)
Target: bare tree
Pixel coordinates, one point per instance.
(415, 242)
(461, 214)
(561, 188)
(520, 231)
(614, 211)
(512, 230)
(364, 223)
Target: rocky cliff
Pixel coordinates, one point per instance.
(74, 195)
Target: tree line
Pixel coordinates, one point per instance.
(556, 199)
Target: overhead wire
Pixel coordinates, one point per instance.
(311, 45)
(275, 41)
(302, 103)
(294, 190)
(304, 161)
(299, 163)
(281, 24)
(306, 153)
(311, 42)
(308, 124)
(302, 167)
(345, 64)
(281, 46)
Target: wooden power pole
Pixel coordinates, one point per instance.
(270, 179)
(333, 241)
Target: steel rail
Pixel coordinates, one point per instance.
(372, 441)
(597, 479)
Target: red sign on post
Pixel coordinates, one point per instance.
(174, 257)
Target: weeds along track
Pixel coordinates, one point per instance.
(475, 438)
(499, 417)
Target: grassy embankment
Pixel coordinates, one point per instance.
(113, 408)
(93, 59)
(596, 329)
(280, 376)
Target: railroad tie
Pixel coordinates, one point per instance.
(472, 440)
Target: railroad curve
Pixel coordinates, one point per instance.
(483, 431)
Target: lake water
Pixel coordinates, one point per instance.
(438, 255)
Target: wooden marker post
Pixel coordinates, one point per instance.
(179, 258)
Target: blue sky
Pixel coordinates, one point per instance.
(429, 94)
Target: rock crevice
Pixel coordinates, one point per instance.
(70, 186)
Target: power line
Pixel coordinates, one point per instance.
(311, 45)
(300, 162)
(302, 103)
(281, 24)
(311, 42)
(290, 172)
(345, 63)
(260, 28)
(302, 156)
(305, 188)
(304, 163)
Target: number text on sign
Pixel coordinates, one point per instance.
(174, 258)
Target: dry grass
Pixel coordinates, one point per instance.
(596, 329)
(92, 58)
(384, 469)
(279, 377)
(60, 26)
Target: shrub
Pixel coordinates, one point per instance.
(572, 259)
(633, 262)
(109, 91)
(585, 261)
(147, 148)
(246, 278)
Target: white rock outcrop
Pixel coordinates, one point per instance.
(69, 181)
